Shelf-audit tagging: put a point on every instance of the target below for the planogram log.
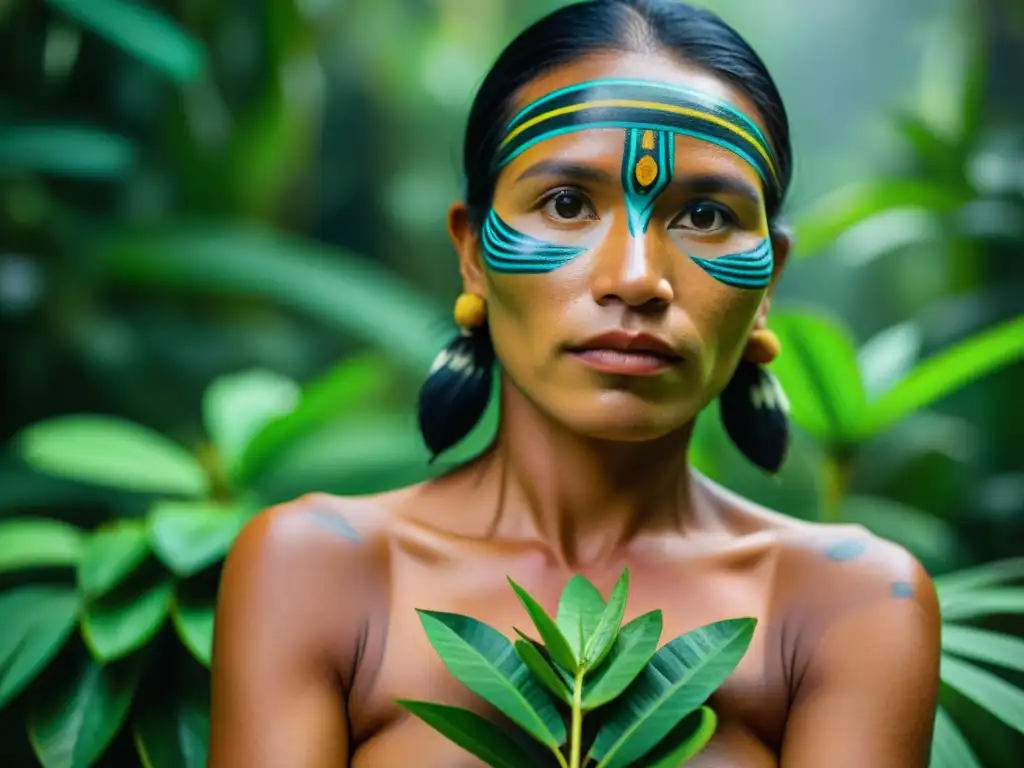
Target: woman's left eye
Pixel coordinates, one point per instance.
(704, 217)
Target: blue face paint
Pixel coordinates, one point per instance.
(751, 270)
(647, 163)
(508, 250)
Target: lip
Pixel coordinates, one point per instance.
(629, 354)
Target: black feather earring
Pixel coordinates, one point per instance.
(754, 408)
(455, 394)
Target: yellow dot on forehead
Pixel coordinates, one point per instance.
(646, 171)
(647, 142)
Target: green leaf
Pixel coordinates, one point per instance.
(141, 32)
(1004, 701)
(237, 406)
(473, 733)
(961, 606)
(111, 554)
(35, 622)
(485, 661)
(689, 738)
(985, 575)
(173, 731)
(949, 747)
(341, 392)
(579, 612)
(678, 680)
(39, 543)
(550, 635)
(551, 679)
(633, 649)
(984, 645)
(75, 724)
(64, 150)
(346, 292)
(819, 372)
(117, 626)
(599, 642)
(944, 373)
(820, 225)
(190, 536)
(193, 620)
(104, 450)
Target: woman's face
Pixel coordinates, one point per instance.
(609, 302)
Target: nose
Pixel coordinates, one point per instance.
(630, 270)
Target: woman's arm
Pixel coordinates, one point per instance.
(867, 663)
(287, 625)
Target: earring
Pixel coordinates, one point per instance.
(455, 394)
(753, 406)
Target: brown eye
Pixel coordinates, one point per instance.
(568, 205)
(704, 217)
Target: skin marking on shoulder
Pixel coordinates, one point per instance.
(333, 523)
(902, 589)
(846, 550)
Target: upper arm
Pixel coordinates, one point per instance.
(868, 665)
(282, 633)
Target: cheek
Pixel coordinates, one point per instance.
(723, 317)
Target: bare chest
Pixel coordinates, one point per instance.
(399, 663)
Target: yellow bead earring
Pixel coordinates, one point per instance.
(470, 311)
(763, 347)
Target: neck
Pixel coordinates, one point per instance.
(582, 496)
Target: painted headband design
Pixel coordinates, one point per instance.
(651, 114)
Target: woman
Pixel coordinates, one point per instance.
(626, 161)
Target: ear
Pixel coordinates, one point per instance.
(782, 246)
(467, 245)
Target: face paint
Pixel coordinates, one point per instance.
(652, 114)
(647, 164)
(507, 250)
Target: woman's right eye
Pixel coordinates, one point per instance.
(568, 205)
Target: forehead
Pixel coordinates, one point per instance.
(653, 67)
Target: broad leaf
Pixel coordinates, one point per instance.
(38, 543)
(339, 393)
(348, 293)
(946, 372)
(949, 747)
(485, 661)
(689, 738)
(579, 612)
(36, 623)
(960, 606)
(636, 644)
(984, 645)
(551, 679)
(678, 680)
(1004, 701)
(116, 626)
(821, 224)
(819, 372)
(600, 641)
(64, 150)
(986, 575)
(550, 635)
(190, 536)
(173, 731)
(104, 450)
(237, 406)
(193, 621)
(476, 735)
(142, 32)
(73, 725)
(111, 553)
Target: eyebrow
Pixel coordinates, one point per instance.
(703, 184)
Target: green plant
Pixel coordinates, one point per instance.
(647, 703)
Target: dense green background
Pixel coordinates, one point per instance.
(253, 193)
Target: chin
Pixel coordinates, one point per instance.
(623, 417)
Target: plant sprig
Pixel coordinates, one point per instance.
(648, 703)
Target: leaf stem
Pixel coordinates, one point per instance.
(836, 480)
(576, 732)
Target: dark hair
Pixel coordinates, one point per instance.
(694, 35)
(455, 394)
